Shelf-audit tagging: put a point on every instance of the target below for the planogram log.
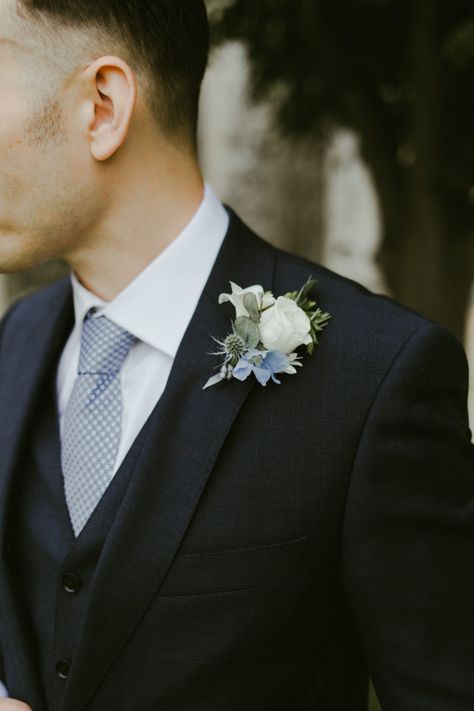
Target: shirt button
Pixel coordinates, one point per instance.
(62, 668)
(71, 583)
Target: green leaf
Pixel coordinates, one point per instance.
(319, 319)
(251, 304)
(305, 290)
(248, 330)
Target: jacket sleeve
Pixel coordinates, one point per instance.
(407, 543)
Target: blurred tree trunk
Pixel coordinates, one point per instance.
(427, 253)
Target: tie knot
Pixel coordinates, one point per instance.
(104, 346)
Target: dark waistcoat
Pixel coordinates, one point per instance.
(52, 570)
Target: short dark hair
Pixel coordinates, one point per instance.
(167, 39)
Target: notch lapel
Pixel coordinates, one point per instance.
(188, 430)
(31, 352)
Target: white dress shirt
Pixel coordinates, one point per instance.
(156, 307)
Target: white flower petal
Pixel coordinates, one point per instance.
(237, 297)
(284, 326)
(268, 300)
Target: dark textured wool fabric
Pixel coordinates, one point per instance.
(273, 544)
(45, 549)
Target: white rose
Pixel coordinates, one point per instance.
(284, 326)
(237, 298)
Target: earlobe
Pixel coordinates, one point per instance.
(115, 94)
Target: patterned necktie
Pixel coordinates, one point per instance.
(93, 417)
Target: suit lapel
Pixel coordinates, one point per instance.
(32, 350)
(188, 430)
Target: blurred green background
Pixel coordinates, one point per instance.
(399, 73)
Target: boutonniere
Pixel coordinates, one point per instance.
(266, 333)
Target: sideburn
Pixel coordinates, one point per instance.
(46, 123)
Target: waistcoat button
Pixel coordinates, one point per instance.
(71, 582)
(62, 667)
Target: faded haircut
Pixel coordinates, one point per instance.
(165, 42)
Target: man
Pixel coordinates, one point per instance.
(170, 546)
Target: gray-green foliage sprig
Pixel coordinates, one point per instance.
(318, 318)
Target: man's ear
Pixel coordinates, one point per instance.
(113, 95)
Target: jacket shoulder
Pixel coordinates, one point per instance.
(365, 326)
(32, 305)
(353, 305)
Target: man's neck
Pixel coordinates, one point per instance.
(145, 221)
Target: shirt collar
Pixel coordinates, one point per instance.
(158, 304)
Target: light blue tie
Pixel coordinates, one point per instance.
(93, 417)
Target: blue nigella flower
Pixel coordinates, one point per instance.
(263, 364)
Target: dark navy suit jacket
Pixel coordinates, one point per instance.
(278, 543)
